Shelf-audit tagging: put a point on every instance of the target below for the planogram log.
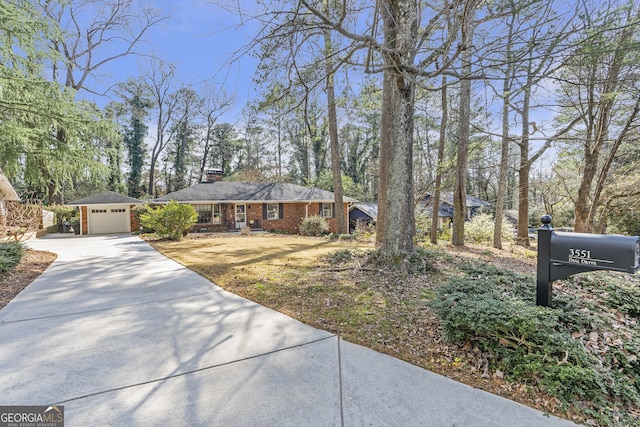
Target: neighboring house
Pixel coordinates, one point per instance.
(511, 215)
(445, 211)
(106, 213)
(225, 206)
(363, 213)
(368, 212)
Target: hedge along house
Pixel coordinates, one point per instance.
(106, 213)
(227, 206)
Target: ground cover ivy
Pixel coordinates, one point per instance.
(583, 350)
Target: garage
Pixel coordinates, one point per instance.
(107, 219)
(106, 213)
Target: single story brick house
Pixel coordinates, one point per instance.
(106, 213)
(226, 206)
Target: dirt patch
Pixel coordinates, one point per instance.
(32, 264)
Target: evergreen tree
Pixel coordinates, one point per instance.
(138, 103)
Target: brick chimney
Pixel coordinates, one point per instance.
(214, 175)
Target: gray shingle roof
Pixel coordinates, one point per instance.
(223, 191)
(106, 198)
(369, 208)
(471, 202)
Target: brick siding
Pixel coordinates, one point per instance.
(293, 214)
(85, 220)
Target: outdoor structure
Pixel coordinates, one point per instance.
(106, 213)
(8, 198)
(225, 206)
(445, 211)
(363, 213)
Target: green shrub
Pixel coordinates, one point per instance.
(64, 214)
(480, 229)
(314, 226)
(171, 221)
(10, 255)
(585, 349)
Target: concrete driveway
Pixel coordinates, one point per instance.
(122, 336)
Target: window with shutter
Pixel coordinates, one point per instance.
(326, 210)
(273, 211)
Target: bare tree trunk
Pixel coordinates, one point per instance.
(396, 217)
(504, 165)
(206, 148)
(504, 148)
(598, 223)
(523, 172)
(599, 121)
(459, 194)
(334, 143)
(435, 201)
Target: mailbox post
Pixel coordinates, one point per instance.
(562, 254)
(543, 280)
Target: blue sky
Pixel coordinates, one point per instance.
(199, 38)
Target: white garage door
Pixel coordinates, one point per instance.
(107, 219)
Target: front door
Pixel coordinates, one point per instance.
(241, 216)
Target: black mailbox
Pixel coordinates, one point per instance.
(562, 254)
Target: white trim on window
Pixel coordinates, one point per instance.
(204, 213)
(273, 211)
(217, 214)
(326, 210)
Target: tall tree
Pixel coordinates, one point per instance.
(189, 108)
(543, 33)
(360, 138)
(334, 142)
(159, 79)
(435, 201)
(219, 137)
(223, 147)
(94, 35)
(403, 40)
(114, 149)
(32, 106)
(276, 107)
(138, 103)
(395, 189)
(464, 122)
(507, 85)
(601, 90)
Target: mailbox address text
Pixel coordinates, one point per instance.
(583, 256)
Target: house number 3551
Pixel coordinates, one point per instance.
(579, 253)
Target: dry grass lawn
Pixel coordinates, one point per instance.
(229, 259)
